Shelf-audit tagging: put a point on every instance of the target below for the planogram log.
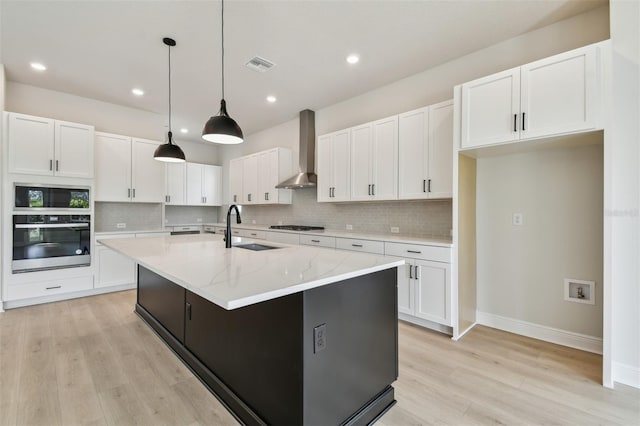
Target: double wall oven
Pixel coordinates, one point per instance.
(51, 227)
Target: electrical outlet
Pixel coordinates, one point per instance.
(517, 219)
(395, 230)
(198, 219)
(319, 338)
(121, 225)
(349, 227)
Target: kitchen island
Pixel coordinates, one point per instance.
(288, 335)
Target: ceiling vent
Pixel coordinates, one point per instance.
(260, 64)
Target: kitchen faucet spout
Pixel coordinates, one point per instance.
(227, 234)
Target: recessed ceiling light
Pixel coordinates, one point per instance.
(271, 99)
(38, 66)
(353, 59)
(137, 92)
(183, 130)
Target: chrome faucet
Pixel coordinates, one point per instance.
(227, 234)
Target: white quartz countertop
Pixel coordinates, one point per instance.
(397, 238)
(236, 277)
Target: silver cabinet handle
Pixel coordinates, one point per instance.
(410, 272)
(356, 245)
(56, 165)
(134, 193)
(128, 192)
(51, 165)
(54, 287)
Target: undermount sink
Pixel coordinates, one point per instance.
(255, 247)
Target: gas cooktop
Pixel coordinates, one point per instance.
(298, 227)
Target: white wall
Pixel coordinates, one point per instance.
(521, 269)
(622, 205)
(104, 116)
(2, 103)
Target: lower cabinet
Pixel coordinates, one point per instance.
(112, 268)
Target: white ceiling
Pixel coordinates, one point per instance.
(102, 49)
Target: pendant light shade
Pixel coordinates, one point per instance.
(169, 152)
(221, 128)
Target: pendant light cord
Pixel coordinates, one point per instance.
(222, 27)
(169, 91)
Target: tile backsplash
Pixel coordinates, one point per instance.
(137, 216)
(432, 218)
(180, 215)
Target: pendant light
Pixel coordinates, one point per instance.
(221, 128)
(169, 152)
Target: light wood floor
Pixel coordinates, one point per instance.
(92, 361)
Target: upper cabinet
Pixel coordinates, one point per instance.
(426, 152)
(126, 170)
(374, 160)
(204, 184)
(176, 184)
(549, 97)
(407, 156)
(253, 178)
(334, 152)
(42, 146)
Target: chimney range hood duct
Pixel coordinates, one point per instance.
(306, 178)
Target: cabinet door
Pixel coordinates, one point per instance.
(413, 150)
(30, 144)
(147, 181)
(433, 291)
(212, 185)
(267, 177)
(194, 184)
(325, 168)
(361, 162)
(235, 181)
(490, 109)
(384, 160)
(341, 162)
(176, 186)
(250, 180)
(73, 150)
(440, 181)
(113, 268)
(112, 167)
(559, 94)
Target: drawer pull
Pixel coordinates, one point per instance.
(253, 234)
(414, 251)
(315, 241)
(356, 245)
(54, 287)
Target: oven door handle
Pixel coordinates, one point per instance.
(51, 225)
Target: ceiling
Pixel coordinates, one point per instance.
(102, 49)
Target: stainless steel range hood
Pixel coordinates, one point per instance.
(306, 178)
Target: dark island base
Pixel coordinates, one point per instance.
(268, 364)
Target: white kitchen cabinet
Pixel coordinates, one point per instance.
(204, 184)
(374, 160)
(318, 240)
(549, 97)
(235, 180)
(112, 268)
(425, 152)
(176, 184)
(42, 146)
(424, 282)
(126, 170)
(334, 167)
(258, 175)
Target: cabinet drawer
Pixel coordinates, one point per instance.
(48, 288)
(418, 251)
(366, 246)
(318, 240)
(186, 228)
(210, 229)
(250, 233)
(283, 237)
(219, 230)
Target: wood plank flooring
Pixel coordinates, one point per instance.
(93, 361)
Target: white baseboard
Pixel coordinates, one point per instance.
(465, 331)
(541, 332)
(426, 324)
(626, 374)
(65, 296)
